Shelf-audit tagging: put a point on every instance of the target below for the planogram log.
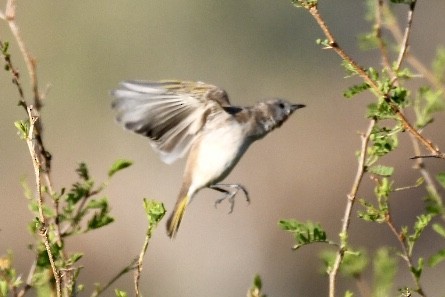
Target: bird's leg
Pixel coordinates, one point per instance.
(229, 194)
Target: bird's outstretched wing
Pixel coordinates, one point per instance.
(169, 113)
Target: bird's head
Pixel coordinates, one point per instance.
(275, 112)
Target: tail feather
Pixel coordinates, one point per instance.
(175, 218)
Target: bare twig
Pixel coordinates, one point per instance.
(138, 270)
(406, 35)
(43, 228)
(420, 165)
(41, 158)
(28, 284)
(125, 270)
(361, 169)
(396, 32)
(29, 60)
(382, 46)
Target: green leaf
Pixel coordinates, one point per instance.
(349, 294)
(349, 68)
(74, 258)
(373, 73)
(426, 104)
(119, 165)
(439, 229)
(4, 288)
(398, 95)
(405, 73)
(354, 264)
(98, 204)
(82, 171)
(440, 177)
(257, 283)
(23, 128)
(419, 226)
(120, 293)
(323, 42)
(381, 170)
(154, 210)
(356, 89)
(304, 233)
(371, 213)
(437, 258)
(439, 64)
(383, 141)
(385, 266)
(417, 271)
(79, 191)
(99, 220)
(368, 41)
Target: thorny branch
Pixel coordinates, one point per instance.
(41, 158)
(373, 84)
(43, 225)
(361, 170)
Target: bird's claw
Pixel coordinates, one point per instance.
(230, 194)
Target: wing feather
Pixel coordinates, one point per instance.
(169, 113)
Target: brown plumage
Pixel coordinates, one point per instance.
(182, 116)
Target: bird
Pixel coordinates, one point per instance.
(196, 118)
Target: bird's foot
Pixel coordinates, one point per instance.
(230, 191)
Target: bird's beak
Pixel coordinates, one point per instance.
(294, 107)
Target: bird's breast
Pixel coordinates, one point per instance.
(219, 150)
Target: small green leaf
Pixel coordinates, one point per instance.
(98, 203)
(426, 104)
(385, 266)
(304, 233)
(440, 177)
(120, 293)
(439, 64)
(119, 165)
(349, 294)
(417, 271)
(437, 258)
(373, 73)
(4, 288)
(419, 226)
(439, 229)
(368, 41)
(99, 220)
(82, 171)
(356, 89)
(371, 213)
(354, 264)
(23, 128)
(349, 68)
(257, 283)
(74, 258)
(323, 42)
(154, 210)
(381, 170)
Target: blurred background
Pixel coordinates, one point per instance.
(254, 50)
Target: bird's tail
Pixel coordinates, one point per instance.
(175, 218)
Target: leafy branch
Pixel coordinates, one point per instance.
(379, 139)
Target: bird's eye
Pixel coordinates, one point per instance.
(281, 105)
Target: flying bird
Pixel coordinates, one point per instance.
(181, 117)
